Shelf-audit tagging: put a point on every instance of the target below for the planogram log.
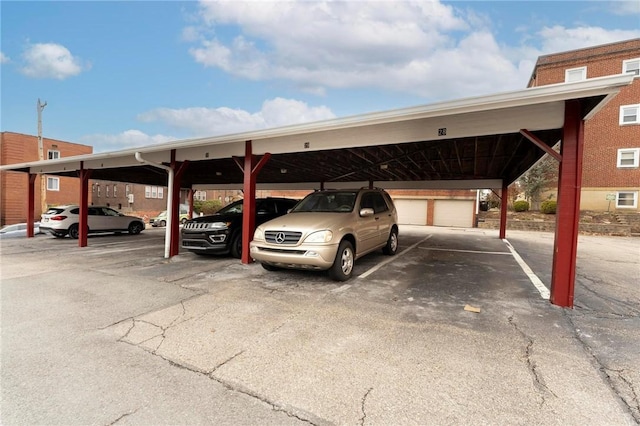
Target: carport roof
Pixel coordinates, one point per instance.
(468, 143)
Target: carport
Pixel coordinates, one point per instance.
(475, 143)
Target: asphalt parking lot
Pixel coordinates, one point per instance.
(115, 334)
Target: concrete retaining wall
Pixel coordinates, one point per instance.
(585, 228)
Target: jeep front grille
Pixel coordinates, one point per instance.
(196, 225)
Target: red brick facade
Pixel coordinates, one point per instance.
(14, 186)
(604, 135)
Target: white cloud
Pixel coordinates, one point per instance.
(4, 59)
(425, 48)
(124, 140)
(560, 39)
(625, 7)
(50, 60)
(219, 121)
(200, 122)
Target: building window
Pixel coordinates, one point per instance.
(53, 154)
(200, 195)
(115, 191)
(153, 192)
(632, 66)
(626, 200)
(93, 188)
(53, 184)
(98, 188)
(106, 191)
(575, 74)
(628, 157)
(629, 114)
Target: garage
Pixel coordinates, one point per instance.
(411, 212)
(458, 213)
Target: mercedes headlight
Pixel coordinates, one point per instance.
(319, 237)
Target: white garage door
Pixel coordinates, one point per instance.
(453, 213)
(411, 212)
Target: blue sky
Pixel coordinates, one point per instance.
(121, 74)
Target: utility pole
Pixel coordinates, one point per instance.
(43, 178)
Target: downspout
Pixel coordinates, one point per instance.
(167, 234)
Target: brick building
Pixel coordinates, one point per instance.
(611, 156)
(14, 186)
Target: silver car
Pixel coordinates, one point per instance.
(329, 230)
(18, 230)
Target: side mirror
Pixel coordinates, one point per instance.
(366, 212)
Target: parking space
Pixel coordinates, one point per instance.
(115, 333)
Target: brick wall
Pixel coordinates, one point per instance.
(14, 186)
(603, 135)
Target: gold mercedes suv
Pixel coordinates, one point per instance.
(329, 230)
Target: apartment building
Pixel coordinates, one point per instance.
(50, 190)
(611, 156)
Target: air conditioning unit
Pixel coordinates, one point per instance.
(130, 197)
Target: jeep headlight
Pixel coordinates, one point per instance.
(258, 234)
(220, 225)
(319, 237)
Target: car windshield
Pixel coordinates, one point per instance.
(334, 201)
(235, 207)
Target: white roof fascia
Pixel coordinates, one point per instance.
(228, 145)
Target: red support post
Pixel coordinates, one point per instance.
(568, 210)
(249, 203)
(251, 170)
(190, 201)
(84, 202)
(504, 199)
(31, 204)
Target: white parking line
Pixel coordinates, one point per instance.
(392, 258)
(539, 285)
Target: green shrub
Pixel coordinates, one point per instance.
(521, 206)
(548, 207)
(207, 207)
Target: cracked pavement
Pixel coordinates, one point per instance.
(124, 339)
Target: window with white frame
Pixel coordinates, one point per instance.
(153, 192)
(200, 195)
(53, 184)
(630, 114)
(628, 157)
(106, 191)
(53, 154)
(575, 74)
(632, 66)
(127, 190)
(627, 199)
(115, 191)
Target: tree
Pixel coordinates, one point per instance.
(539, 178)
